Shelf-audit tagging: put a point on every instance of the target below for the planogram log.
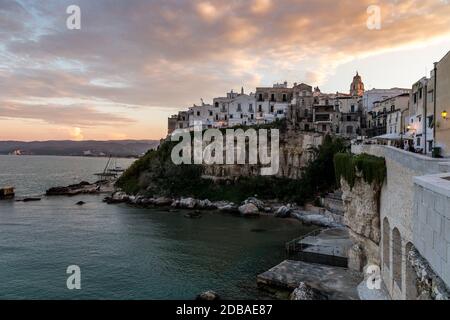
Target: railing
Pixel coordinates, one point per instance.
(295, 245)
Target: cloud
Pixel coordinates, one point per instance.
(170, 53)
(74, 115)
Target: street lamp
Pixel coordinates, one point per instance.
(444, 115)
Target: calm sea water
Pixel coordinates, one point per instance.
(123, 252)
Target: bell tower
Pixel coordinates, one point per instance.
(357, 86)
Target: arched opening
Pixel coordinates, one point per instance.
(410, 276)
(397, 257)
(386, 243)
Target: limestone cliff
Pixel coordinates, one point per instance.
(296, 150)
(362, 216)
(361, 178)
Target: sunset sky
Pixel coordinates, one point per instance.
(136, 62)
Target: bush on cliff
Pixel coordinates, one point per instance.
(373, 169)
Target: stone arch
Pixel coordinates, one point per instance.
(410, 276)
(386, 243)
(397, 258)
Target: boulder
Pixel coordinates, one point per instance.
(283, 212)
(205, 205)
(257, 203)
(188, 203)
(306, 292)
(248, 209)
(229, 207)
(208, 296)
(162, 201)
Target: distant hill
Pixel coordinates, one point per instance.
(122, 148)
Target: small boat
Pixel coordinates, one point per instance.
(7, 193)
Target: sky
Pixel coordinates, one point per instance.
(133, 63)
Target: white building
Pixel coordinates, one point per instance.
(420, 124)
(376, 95)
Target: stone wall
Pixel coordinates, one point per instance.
(431, 221)
(397, 198)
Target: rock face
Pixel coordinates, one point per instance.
(362, 216)
(305, 292)
(295, 152)
(208, 296)
(248, 209)
(429, 285)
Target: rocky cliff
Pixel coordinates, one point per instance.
(361, 178)
(296, 150)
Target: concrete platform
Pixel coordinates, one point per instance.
(329, 242)
(337, 283)
(329, 247)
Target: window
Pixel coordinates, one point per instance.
(260, 108)
(239, 108)
(252, 116)
(210, 113)
(260, 97)
(216, 104)
(284, 97)
(250, 107)
(272, 97)
(349, 130)
(420, 93)
(198, 113)
(231, 116)
(242, 116)
(352, 108)
(272, 108)
(324, 127)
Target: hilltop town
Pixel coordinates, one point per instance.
(404, 117)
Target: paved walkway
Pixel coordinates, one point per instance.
(337, 283)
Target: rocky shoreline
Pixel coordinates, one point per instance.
(249, 208)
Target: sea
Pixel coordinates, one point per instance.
(121, 252)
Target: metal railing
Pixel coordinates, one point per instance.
(295, 245)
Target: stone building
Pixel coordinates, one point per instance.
(443, 104)
(377, 118)
(421, 115)
(300, 112)
(204, 115)
(350, 116)
(325, 116)
(376, 95)
(172, 124)
(272, 103)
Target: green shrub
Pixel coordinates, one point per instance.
(373, 168)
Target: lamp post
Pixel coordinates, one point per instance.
(444, 115)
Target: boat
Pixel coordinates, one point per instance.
(7, 193)
(111, 171)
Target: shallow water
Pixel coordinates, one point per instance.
(124, 252)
